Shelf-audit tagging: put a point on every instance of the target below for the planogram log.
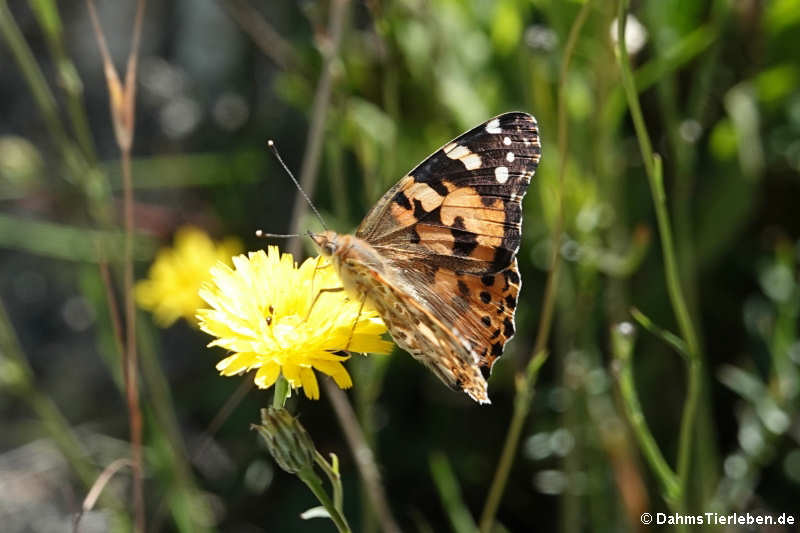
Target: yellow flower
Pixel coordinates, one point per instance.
(261, 310)
(170, 290)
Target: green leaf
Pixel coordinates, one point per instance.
(72, 243)
(315, 512)
(450, 493)
(777, 83)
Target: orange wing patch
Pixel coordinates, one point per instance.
(415, 199)
(483, 308)
(483, 216)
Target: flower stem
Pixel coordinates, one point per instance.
(315, 484)
(281, 392)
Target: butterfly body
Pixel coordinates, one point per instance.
(436, 256)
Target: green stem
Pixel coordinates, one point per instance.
(693, 394)
(652, 163)
(281, 392)
(664, 334)
(450, 493)
(315, 484)
(332, 471)
(522, 404)
(33, 74)
(46, 12)
(622, 347)
(78, 163)
(551, 284)
(43, 96)
(17, 377)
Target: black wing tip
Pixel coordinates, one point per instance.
(515, 115)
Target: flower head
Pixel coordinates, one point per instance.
(278, 318)
(170, 290)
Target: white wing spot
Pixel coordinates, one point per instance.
(507, 140)
(510, 157)
(462, 153)
(456, 151)
(501, 174)
(472, 161)
(493, 126)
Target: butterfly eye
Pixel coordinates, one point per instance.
(330, 247)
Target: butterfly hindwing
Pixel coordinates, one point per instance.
(480, 308)
(461, 207)
(490, 302)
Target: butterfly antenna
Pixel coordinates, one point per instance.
(272, 147)
(264, 235)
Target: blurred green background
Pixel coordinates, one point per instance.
(718, 86)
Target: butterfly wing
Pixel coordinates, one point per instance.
(452, 228)
(462, 206)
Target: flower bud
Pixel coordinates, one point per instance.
(288, 441)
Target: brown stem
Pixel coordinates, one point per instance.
(97, 489)
(123, 110)
(131, 375)
(362, 453)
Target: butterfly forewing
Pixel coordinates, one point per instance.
(462, 205)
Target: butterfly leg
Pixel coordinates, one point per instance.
(314, 277)
(355, 323)
(313, 303)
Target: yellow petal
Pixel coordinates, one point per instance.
(310, 385)
(267, 375)
(335, 370)
(292, 374)
(236, 363)
(370, 344)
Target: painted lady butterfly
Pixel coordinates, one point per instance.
(436, 256)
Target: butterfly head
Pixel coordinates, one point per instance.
(327, 242)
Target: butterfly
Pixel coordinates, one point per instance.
(436, 255)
